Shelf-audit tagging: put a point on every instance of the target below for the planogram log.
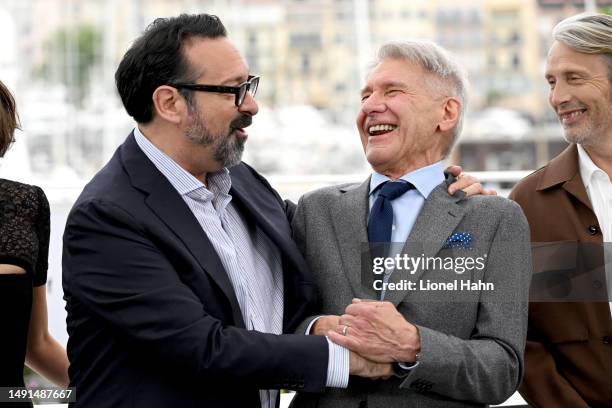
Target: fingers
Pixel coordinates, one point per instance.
(473, 189)
(349, 320)
(478, 189)
(489, 191)
(380, 371)
(469, 184)
(364, 367)
(387, 371)
(464, 181)
(348, 342)
(323, 324)
(368, 309)
(357, 300)
(454, 170)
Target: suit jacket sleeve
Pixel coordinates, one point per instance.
(298, 227)
(542, 385)
(125, 280)
(487, 367)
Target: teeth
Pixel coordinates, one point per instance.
(381, 128)
(568, 116)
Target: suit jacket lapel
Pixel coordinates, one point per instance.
(437, 220)
(264, 212)
(349, 219)
(259, 205)
(168, 205)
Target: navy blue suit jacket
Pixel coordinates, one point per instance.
(153, 320)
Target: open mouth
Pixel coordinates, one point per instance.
(571, 117)
(240, 133)
(381, 129)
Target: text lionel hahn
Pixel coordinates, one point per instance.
(427, 285)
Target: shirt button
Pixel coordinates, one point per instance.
(593, 230)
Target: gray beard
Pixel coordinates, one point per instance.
(580, 136)
(227, 151)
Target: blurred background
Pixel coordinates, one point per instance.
(59, 58)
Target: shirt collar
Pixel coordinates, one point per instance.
(424, 179)
(587, 168)
(184, 182)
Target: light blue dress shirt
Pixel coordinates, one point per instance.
(407, 207)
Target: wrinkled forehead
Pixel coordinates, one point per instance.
(563, 59)
(393, 71)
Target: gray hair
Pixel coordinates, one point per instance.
(588, 33)
(448, 76)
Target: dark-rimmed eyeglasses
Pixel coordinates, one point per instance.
(239, 91)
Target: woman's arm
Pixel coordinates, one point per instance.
(44, 354)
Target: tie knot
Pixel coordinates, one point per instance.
(393, 189)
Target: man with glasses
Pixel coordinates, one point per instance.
(239, 91)
(180, 274)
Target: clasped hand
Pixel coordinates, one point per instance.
(375, 333)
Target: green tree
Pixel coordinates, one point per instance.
(71, 53)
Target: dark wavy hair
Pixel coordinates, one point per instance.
(9, 120)
(156, 58)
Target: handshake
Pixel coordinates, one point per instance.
(375, 333)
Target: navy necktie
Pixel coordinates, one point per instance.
(381, 214)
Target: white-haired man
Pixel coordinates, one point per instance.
(568, 358)
(448, 349)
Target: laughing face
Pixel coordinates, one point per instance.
(580, 94)
(398, 119)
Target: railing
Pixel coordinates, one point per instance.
(292, 187)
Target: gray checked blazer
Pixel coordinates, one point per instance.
(472, 343)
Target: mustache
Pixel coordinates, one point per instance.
(241, 121)
(570, 106)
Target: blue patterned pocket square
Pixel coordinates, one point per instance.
(461, 240)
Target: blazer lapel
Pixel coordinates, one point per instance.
(349, 219)
(265, 212)
(260, 205)
(168, 205)
(437, 220)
